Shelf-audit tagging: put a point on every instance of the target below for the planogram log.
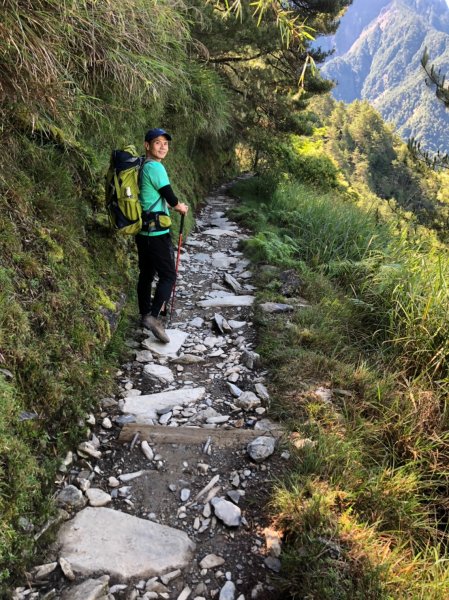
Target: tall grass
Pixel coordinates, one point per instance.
(364, 511)
(57, 55)
(400, 277)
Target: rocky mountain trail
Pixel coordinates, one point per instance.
(167, 496)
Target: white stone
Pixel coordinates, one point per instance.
(177, 338)
(153, 585)
(144, 356)
(226, 511)
(118, 588)
(210, 341)
(233, 283)
(262, 392)
(235, 391)
(130, 547)
(97, 497)
(159, 373)
(147, 450)
(266, 425)
(227, 592)
(43, 570)
(170, 576)
(211, 561)
(91, 589)
(106, 423)
(197, 322)
(132, 392)
(237, 324)
(185, 494)
(247, 401)
(66, 568)
(145, 407)
(89, 449)
(261, 448)
(217, 420)
(125, 477)
(227, 301)
(165, 418)
(184, 594)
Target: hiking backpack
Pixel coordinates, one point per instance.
(122, 191)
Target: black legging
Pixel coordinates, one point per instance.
(155, 256)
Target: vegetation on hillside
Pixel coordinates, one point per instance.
(360, 377)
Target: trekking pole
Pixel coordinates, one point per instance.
(178, 256)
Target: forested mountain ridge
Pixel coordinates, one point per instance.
(382, 64)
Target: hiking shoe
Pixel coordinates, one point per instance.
(156, 328)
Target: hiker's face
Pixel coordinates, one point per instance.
(158, 147)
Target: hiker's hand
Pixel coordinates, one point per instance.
(181, 208)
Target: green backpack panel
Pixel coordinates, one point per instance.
(122, 191)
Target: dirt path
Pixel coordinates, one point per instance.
(164, 499)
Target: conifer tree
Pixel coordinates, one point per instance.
(438, 81)
(266, 53)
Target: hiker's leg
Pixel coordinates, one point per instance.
(165, 267)
(146, 273)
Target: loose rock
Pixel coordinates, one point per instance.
(211, 561)
(70, 497)
(97, 497)
(261, 448)
(226, 511)
(92, 589)
(247, 401)
(227, 592)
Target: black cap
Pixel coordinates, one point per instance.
(152, 134)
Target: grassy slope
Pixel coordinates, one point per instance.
(364, 508)
(63, 280)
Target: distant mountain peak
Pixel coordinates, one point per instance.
(378, 50)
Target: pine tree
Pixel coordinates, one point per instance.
(438, 81)
(265, 53)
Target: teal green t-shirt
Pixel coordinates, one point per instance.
(153, 178)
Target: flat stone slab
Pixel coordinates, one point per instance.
(227, 301)
(145, 408)
(101, 540)
(219, 232)
(177, 338)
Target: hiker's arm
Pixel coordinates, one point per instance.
(167, 193)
